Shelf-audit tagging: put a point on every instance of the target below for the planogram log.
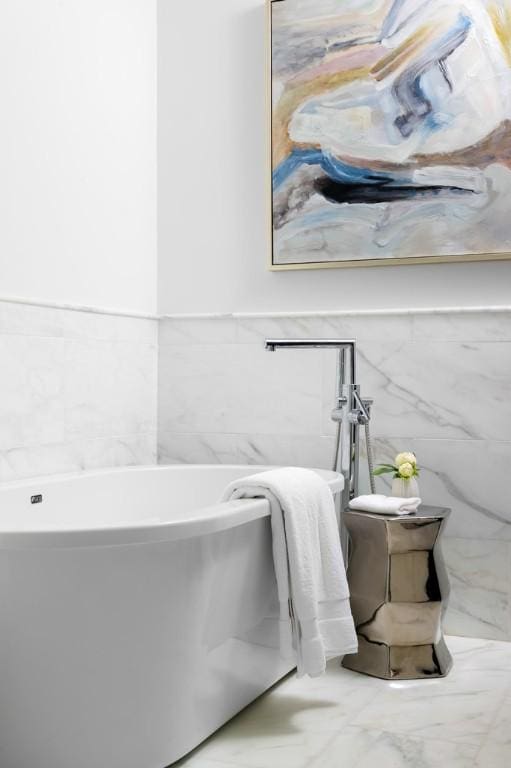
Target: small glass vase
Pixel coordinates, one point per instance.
(404, 488)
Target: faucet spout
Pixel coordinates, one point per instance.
(346, 348)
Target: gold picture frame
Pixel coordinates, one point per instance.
(274, 266)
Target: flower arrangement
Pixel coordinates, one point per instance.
(404, 467)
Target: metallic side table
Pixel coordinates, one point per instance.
(399, 590)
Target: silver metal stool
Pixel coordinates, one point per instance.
(399, 590)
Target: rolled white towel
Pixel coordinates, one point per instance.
(385, 505)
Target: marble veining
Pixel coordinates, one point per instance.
(77, 391)
(440, 380)
(216, 448)
(480, 574)
(496, 749)
(109, 388)
(345, 719)
(77, 455)
(429, 387)
(31, 390)
(480, 510)
(365, 748)
(228, 388)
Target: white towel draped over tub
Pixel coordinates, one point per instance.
(315, 616)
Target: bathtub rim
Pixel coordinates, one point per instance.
(209, 519)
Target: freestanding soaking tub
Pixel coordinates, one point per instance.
(136, 614)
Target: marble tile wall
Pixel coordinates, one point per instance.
(441, 383)
(77, 390)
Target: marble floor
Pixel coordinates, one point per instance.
(346, 720)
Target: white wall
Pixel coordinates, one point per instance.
(212, 186)
(78, 152)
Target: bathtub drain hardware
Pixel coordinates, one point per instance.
(36, 499)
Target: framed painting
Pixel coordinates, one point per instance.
(390, 131)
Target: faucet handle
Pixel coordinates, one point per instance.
(361, 414)
(337, 415)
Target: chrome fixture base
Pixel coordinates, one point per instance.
(399, 590)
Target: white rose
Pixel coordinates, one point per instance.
(405, 458)
(406, 469)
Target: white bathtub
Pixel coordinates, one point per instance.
(136, 615)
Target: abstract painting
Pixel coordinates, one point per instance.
(390, 131)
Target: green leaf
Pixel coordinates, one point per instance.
(383, 470)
